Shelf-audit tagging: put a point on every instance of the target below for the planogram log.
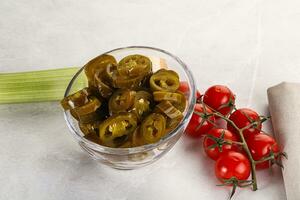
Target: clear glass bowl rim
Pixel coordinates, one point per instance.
(132, 150)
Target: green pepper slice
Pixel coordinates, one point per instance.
(110, 72)
(134, 65)
(104, 89)
(137, 138)
(153, 128)
(87, 112)
(173, 123)
(96, 64)
(74, 100)
(92, 137)
(131, 83)
(91, 106)
(103, 111)
(177, 98)
(168, 71)
(168, 109)
(181, 105)
(74, 114)
(131, 72)
(89, 128)
(164, 80)
(121, 101)
(168, 96)
(127, 144)
(116, 130)
(142, 103)
(88, 118)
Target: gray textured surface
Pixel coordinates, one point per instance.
(248, 45)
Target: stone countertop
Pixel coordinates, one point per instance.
(247, 45)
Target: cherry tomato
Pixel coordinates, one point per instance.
(243, 117)
(221, 135)
(184, 88)
(232, 164)
(219, 98)
(198, 95)
(193, 128)
(260, 146)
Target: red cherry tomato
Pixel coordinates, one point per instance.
(219, 98)
(260, 146)
(221, 134)
(198, 95)
(184, 88)
(232, 164)
(193, 128)
(243, 117)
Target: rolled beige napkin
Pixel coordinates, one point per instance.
(284, 105)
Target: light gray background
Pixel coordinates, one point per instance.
(248, 45)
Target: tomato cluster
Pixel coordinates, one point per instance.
(240, 146)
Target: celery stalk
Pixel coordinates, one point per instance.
(35, 86)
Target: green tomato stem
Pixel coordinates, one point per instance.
(245, 147)
(234, 142)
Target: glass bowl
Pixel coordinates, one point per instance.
(130, 158)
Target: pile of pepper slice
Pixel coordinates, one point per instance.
(126, 104)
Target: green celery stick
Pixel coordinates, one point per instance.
(35, 86)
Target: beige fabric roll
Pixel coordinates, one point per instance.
(284, 105)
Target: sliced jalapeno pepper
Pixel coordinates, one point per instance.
(131, 72)
(168, 109)
(110, 72)
(103, 111)
(127, 144)
(176, 98)
(91, 106)
(168, 71)
(181, 105)
(164, 80)
(87, 112)
(121, 101)
(89, 128)
(116, 130)
(88, 118)
(137, 139)
(125, 82)
(98, 63)
(134, 65)
(173, 123)
(153, 128)
(86, 128)
(142, 103)
(74, 100)
(92, 137)
(104, 89)
(168, 96)
(73, 113)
